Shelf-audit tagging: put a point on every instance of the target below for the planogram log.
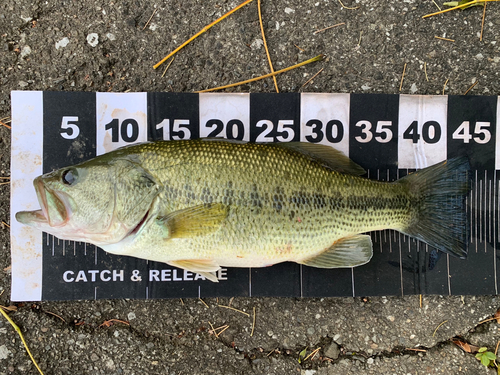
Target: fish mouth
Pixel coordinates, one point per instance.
(55, 207)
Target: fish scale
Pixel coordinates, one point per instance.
(202, 204)
(256, 231)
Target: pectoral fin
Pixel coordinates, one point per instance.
(205, 268)
(347, 252)
(194, 221)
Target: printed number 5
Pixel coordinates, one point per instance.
(71, 129)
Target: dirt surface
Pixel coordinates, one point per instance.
(52, 45)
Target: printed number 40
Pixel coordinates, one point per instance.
(481, 135)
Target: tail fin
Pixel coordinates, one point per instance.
(438, 205)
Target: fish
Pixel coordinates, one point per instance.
(209, 203)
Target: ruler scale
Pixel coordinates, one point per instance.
(389, 135)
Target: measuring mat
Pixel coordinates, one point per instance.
(388, 135)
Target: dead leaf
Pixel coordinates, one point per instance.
(466, 347)
(110, 322)
(9, 308)
(497, 316)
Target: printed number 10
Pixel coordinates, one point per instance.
(128, 129)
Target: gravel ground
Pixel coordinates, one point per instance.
(103, 46)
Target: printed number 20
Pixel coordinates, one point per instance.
(383, 132)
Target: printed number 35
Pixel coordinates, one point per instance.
(383, 132)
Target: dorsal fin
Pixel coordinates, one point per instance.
(326, 155)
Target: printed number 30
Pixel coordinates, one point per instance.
(383, 132)
(71, 129)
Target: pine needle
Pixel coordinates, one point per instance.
(18, 330)
(434, 334)
(328, 28)
(253, 324)
(444, 86)
(470, 88)
(265, 46)
(310, 79)
(168, 66)
(314, 59)
(350, 8)
(466, 5)
(149, 20)
(447, 39)
(482, 23)
(232, 308)
(425, 71)
(402, 78)
(4, 124)
(206, 28)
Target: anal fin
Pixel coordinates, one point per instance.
(347, 252)
(205, 268)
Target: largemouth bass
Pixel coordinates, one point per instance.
(203, 204)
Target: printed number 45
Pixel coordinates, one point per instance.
(482, 135)
(70, 127)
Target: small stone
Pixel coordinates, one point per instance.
(413, 88)
(289, 10)
(391, 318)
(4, 352)
(332, 351)
(369, 361)
(239, 356)
(308, 372)
(310, 331)
(22, 84)
(479, 56)
(25, 51)
(44, 329)
(270, 333)
(318, 316)
(93, 39)
(131, 315)
(62, 43)
(365, 87)
(94, 357)
(110, 36)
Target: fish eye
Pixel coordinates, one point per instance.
(70, 176)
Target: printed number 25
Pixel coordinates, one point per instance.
(383, 132)
(70, 127)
